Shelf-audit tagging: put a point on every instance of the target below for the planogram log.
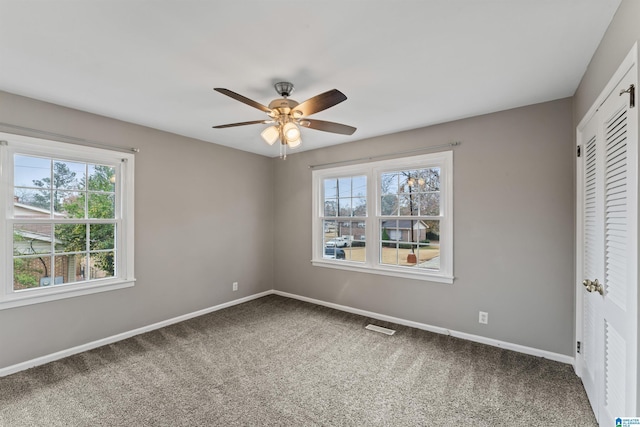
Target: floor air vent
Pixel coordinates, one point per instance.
(380, 329)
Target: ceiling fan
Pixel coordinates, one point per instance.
(287, 115)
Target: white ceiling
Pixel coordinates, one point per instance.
(402, 64)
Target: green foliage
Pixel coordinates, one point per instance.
(433, 236)
(23, 274)
(63, 178)
(385, 236)
(100, 205)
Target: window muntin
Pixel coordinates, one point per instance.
(68, 222)
(408, 225)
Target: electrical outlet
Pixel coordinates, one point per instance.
(235, 286)
(483, 317)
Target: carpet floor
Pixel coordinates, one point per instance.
(276, 361)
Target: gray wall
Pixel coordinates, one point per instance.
(622, 33)
(203, 219)
(513, 230)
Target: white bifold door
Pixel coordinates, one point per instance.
(607, 248)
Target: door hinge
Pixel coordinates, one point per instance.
(579, 150)
(578, 347)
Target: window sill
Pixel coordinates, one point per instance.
(39, 295)
(385, 271)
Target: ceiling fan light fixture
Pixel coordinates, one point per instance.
(291, 132)
(287, 116)
(295, 143)
(270, 134)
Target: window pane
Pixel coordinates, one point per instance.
(431, 178)
(355, 250)
(330, 188)
(408, 204)
(389, 183)
(31, 272)
(389, 205)
(102, 178)
(101, 236)
(408, 181)
(389, 230)
(69, 204)
(30, 239)
(330, 228)
(71, 237)
(344, 207)
(31, 203)
(389, 253)
(333, 252)
(429, 256)
(102, 206)
(433, 231)
(101, 264)
(68, 175)
(359, 206)
(31, 172)
(430, 203)
(69, 268)
(331, 207)
(429, 248)
(344, 187)
(359, 186)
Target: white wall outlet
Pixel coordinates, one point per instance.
(483, 317)
(234, 287)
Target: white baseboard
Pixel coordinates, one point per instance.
(469, 337)
(119, 337)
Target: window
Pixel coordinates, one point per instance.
(67, 220)
(392, 217)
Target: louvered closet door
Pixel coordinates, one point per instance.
(620, 253)
(592, 254)
(609, 254)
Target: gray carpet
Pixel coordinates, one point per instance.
(281, 362)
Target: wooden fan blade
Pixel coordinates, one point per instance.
(231, 125)
(242, 99)
(328, 126)
(320, 102)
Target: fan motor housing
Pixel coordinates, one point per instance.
(284, 105)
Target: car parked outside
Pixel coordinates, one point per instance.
(334, 253)
(338, 242)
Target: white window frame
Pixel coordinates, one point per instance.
(123, 162)
(373, 172)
